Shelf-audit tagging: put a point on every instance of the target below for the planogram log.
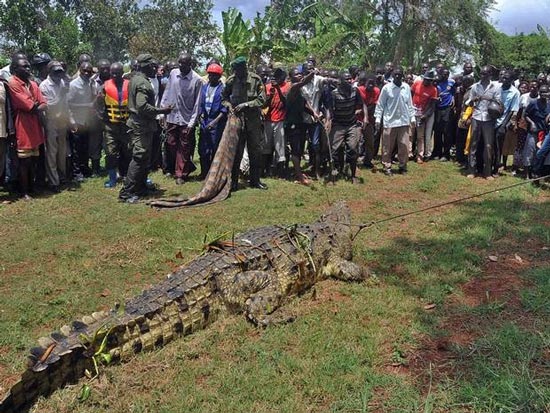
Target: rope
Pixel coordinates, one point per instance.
(455, 201)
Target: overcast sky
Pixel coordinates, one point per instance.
(510, 16)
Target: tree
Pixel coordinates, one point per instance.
(168, 27)
(107, 25)
(38, 26)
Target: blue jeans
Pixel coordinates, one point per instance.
(542, 153)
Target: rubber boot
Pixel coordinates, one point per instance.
(111, 183)
(281, 170)
(96, 170)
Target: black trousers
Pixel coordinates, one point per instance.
(442, 133)
(79, 151)
(483, 139)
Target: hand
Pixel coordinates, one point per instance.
(166, 110)
(239, 108)
(377, 126)
(74, 127)
(539, 144)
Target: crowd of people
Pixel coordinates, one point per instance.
(55, 127)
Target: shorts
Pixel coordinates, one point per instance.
(296, 137)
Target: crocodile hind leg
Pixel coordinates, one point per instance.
(258, 294)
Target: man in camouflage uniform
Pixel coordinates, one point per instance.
(244, 96)
(142, 124)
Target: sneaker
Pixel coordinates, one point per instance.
(443, 159)
(109, 184)
(470, 176)
(79, 178)
(134, 199)
(388, 172)
(403, 171)
(490, 178)
(419, 160)
(180, 181)
(26, 197)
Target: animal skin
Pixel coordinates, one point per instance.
(253, 273)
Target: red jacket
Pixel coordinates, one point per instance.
(28, 130)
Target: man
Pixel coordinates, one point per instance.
(388, 72)
(142, 124)
(54, 90)
(483, 124)
(345, 130)
(6, 71)
(467, 69)
(442, 125)
(96, 127)
(7, 131)
(312, 93)
(81, 117)
(83, 58)
(510, 100)
(244, 96)
(40, 65)
(425, 98)
(213, 117)
(396, 111)
(112, 105)
(27, 102)
(369, 93)
(537, 115)
(183, 92)
(295, 129)
(274, 134)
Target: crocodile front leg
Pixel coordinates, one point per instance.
(345, 270)
(258, 294)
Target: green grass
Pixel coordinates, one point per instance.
(356, 348)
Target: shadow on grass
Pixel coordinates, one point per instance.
(483, 313)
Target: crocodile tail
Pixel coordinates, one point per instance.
(217, 184)
(149, 320)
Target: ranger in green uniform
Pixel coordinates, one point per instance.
(244, 95)
(142, 124)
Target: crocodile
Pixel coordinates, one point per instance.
(217, 184)
(253, 273)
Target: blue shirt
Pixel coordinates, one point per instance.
(510, 100)
(538, 113)
(395, 106)
(446, 91)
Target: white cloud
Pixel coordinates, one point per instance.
(514, 16)
(247, 8)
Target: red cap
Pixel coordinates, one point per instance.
(215, 68)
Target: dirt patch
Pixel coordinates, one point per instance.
(434, 358)
(500, 282)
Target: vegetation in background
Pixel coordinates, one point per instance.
(338, 32)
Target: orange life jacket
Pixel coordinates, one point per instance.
(115, 105)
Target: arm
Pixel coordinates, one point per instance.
(143, 107)
(20, 99)
(260, 98)
(379, 111)
(197, 106)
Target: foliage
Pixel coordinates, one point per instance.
(344, 32)
(168, 27)
(34, 26)
(107, 25)
(529, 52)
